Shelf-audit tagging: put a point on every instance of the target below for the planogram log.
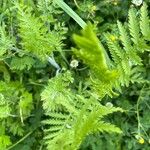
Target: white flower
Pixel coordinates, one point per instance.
(109, 104)
(74, 63)
(137, 2)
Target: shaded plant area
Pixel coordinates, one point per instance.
(74, 75)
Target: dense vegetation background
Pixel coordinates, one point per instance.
(38, 64)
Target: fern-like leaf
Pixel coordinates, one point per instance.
(144, 23)
(134, 26)
(74, 121)
(35, 37)
(5, 41)
(22, 63)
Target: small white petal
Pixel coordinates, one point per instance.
(68, 126)
(109, 104)
(74, 63)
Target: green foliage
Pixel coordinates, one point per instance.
(57, 93)
(21, 63)
(144, 24)
(5, 41)
(93, 54)
(16, 103)
(129, 58)
(72, 116)
(4, 141)
(33, 34)
(55, 97)
(125, 54)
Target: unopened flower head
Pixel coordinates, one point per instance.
(141, 140)
(74, 63)
(137, 2)
(113, 38)
(115, 2)
(93, 8)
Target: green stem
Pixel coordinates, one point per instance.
(76, 3)
(20, 140)
(70, 12)
(137, 111)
